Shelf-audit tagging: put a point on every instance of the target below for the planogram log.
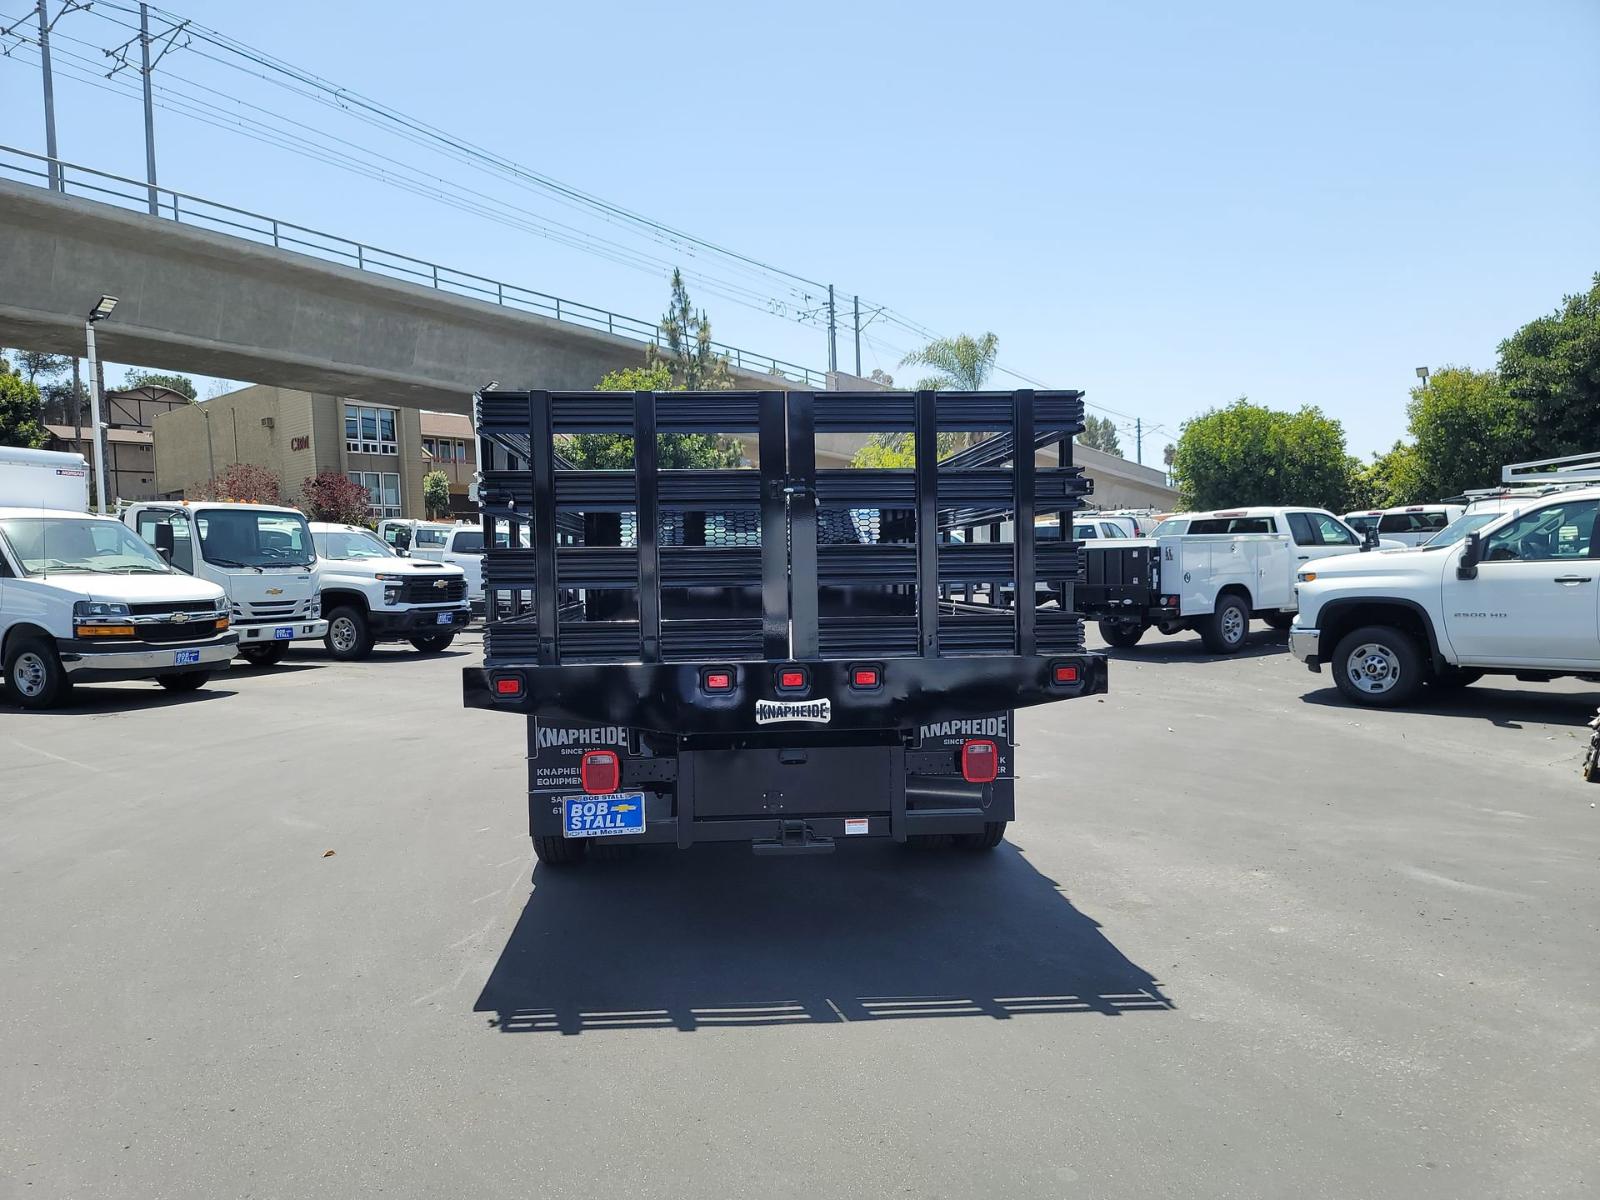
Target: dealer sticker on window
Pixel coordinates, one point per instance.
(603, 816)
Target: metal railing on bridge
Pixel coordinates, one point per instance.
(124, 192)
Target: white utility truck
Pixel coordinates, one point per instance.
(83, 600)
(1410, 524)
(260, 554)
(1216, 573)
(370, 594)
(1511, 587)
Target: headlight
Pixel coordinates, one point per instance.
(221, 606)
(391, 594)
(316, 607)
(391, 578)
(94, 610)
(1306, 576)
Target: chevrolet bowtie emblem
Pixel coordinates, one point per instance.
(441, 583)
(274, 591)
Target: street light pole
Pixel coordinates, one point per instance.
(99, 312)
(1422, 374)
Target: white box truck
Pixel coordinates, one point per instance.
(83, 600)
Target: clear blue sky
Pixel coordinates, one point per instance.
(1168, 204)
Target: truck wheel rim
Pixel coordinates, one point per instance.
(29, 674)
(1232, 624)
(1373, 668)
(344, 634)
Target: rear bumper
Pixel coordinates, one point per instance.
(417, 621)
(1304, 644)
(84, 661)
(299, 631)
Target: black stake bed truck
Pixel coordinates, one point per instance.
(779, 654)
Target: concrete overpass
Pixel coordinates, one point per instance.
(215, 304)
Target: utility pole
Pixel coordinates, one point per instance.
(49, 99)
(1138, 441)
(149, 107)
(858, 337)
(833, 346)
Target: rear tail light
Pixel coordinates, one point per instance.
(601, 772)
(717, 679)
(508, 687)
(1065, 673)
(866, 679)
(980, 762)
(791, 679)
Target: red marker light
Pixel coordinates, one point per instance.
(865, 677)
(508, 685)
(719, 681)
(601, 772)
(980, 762)
(1066, 674)
(791, 679)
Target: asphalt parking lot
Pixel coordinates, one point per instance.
(1243, 941)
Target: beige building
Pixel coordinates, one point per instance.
(451, 446)
(297, 435)
(130, 457)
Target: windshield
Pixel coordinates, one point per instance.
(233, 537)
(1363, 523)
(430, 537)
(346, 544)
(43, 545)
(1459, 528)
(1172, 526)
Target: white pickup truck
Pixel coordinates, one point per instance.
(371, 594)
(83, 600)
(1211, 572)
(1511, 587)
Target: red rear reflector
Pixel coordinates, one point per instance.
(719, 681)
(864, 677)
(791, 679)
(1066, 674)
(506, 686)
(980, 762)
(601, 772)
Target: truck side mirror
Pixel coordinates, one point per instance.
(1369, 539)
(1471, 555)
(166, 554)
(163, 540)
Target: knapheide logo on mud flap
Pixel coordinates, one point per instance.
(820, 711)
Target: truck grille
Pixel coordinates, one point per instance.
(270, 610)
(189, 631)
(427, 591)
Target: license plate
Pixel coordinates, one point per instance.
(184, 658)
(603, 816)
(283, 633)
(447, 618)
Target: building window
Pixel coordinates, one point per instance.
(370, 430)
(427, 444)
(383, 492)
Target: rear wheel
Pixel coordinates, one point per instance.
(559, 851)
(1122, 634)
(1224, 631)
(265, 654)
(349, 636)
(993, 834)
(1378, 666)
(433, 643)
(34, 675)
(190, 681)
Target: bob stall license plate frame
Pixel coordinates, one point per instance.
(617, 815)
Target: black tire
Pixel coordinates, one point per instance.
(349, 635)
(1225, 631)
(264, 654)
(189, 681)
(993, 834)
(1278, 620)
(559, 851)
(34, 676)
(433, 643)
(1450, 678)
(1122, 634)
(1378, 666)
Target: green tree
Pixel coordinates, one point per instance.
(689, 357)
(34, 363)
(1390, 479)
(436, 493)
(1466, 424)
(962, 363)
(1552, 365)
(674, 451)
(1249, 454)
(178, 383)
(1100, 433)
(20, 413)
(887, 450)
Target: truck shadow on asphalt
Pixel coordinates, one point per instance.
(92, 699)
(714, 937)
(1502, 707)
(1157, 648)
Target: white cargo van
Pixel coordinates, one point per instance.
(260, 554)
(83, 600)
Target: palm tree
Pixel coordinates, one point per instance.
(963, 363)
